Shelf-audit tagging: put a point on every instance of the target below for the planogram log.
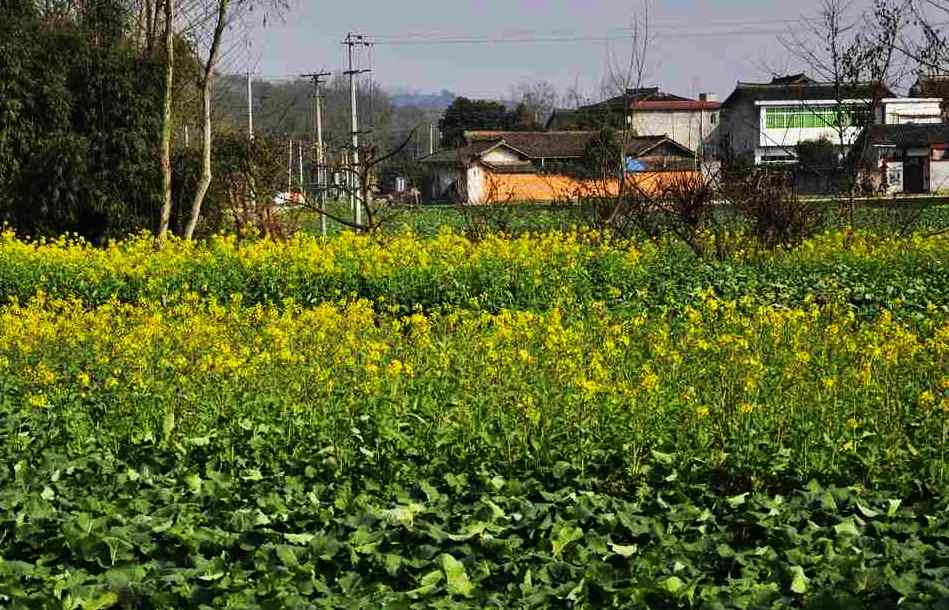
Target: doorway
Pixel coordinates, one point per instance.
(914, 174)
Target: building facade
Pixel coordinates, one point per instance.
(908, 158)
(514, 167)
(651, 112)
(764, 122)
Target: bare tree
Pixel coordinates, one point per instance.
(360, 182)
(218, 15)
(856, 53)
(629, 72)
(538, 98)
(213, 53)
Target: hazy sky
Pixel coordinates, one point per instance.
(700, 45)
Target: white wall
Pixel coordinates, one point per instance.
(939, 176)
(895, 176)
(790, 137)
(685, 127)
(910, 110)
(500, 156)
(476, 185)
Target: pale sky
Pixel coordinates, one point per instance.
(700, 45)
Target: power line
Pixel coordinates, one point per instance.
(571, 39)
(672, 26)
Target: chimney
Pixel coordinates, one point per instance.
(708, 97)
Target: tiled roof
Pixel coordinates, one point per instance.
(559, 144)
(909, 135)
(931, 86)
(800, 87)
(522, 167)
(463, 155)
(693, 105)
(539, 144)
(536, 145)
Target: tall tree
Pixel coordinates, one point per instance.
(166, 118)
(220, 15)
(466, 114)
(80, 110)
(214, 51)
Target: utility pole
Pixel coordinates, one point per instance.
(250, 107)
(317, 78)
(300, 156)
(431, 138)
(352, 41)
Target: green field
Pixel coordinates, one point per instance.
(533, 419)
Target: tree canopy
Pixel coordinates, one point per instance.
(79, 110)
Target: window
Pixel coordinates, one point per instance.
(778, 158)
(713, 118)
(802, 117)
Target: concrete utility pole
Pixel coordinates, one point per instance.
(317, 78)
(290, 170)
(250, 107)
(300, 157)
(431, 138)
(352, 41)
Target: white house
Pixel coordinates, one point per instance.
(909, 157)
(766, 121)
(649, 111)
(524, 166)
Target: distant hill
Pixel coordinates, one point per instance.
(428, 101)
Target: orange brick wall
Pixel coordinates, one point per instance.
(515, 188)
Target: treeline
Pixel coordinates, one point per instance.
(80, 111)
(287, 109)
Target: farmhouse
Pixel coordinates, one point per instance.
(510, 166)
(910, 158)
(933, 87)
(650, 111)
(766, 121)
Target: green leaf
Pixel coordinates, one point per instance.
(403, 515)
(299, 539)
(663, 458)
(168, 423)
(194, 483)
(287, 556)
(427, 584)
(736, 501)
(867, 512)
(894, 506)
(799, 581)
(393, 563)
(904, 584)
(624, 550)
(456, 577)
(847, 528)
(106, 600)
(565, 536)
(673, 584)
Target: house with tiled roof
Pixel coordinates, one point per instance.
(933, 87)
(516, 166)
(764, 122)
(649, 111)
(908, 158)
